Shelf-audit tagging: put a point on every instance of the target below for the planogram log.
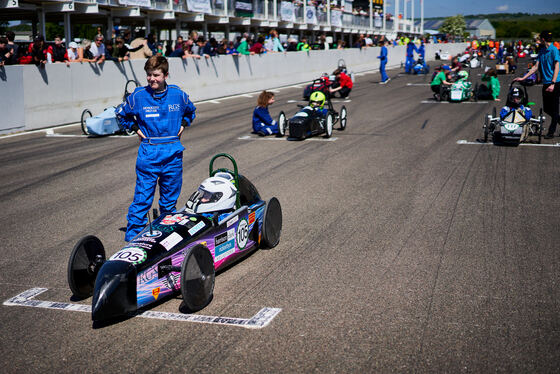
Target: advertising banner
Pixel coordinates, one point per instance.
(336, 18)
(144, 3)
(199, 6)
(244, 8)
(287, 11)
(311, 15)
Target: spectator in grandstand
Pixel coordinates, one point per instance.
(243, 47)
(258, 47)
(222, 47)
(110, 52)
(198, 46)
(342, 84)
(4, 51)
(152, 43)
(72, 52)
(210, 48)
(302, 45)
(11, 46)
(139, 53)
(59, 51)
(276, 45)
(40, 52)
(84, 51)
(323, 42)
(178, 43)
(230, 50)
(98, 49)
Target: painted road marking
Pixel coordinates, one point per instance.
(333, 101)
(51, 134)
(523, 144)
(447, 102)
(417, 84)
(258, 321)
(249, 137)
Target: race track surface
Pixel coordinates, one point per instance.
(401, 250)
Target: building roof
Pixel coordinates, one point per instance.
(435, 24)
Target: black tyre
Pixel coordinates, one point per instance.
(127, 88)
(443, 93)
(541, 126)
(282, 124)
(475, 92)
(494, 115)
(329, 125)
(85, 115)
(85, 261)
(343, 117)
(485, 128)
(272, 223)
(197, 278)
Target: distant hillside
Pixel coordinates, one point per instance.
(520, 25)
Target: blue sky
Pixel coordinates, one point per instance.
(444, 8)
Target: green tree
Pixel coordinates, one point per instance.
(454, 26)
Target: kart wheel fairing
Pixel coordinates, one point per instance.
(329, 125)
(85, 115)
(272, 224)
(85, 260)
(343, 117)
(282, 124)
(197, 278)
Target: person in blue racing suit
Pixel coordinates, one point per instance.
(158, 113)
(514, 102)
(409, 57)
(263, 124)
(383, 62)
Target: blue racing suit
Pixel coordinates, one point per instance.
(382, 62)
(409, 58)
(527, 112)
(159, 115)
(263, 123)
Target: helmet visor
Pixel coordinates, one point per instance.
(315, 103)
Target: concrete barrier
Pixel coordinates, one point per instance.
(35, 98)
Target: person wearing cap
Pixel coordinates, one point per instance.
(548, 62)
(72, 52)
(439, 79)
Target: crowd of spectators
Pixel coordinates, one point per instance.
(124, 47)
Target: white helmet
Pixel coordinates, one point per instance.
(215, 194)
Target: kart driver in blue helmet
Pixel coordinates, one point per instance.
(514, 103)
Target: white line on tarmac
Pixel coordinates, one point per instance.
(48, 131)
(53, 135)
(249, 137)
(417, 84)
(258, 321)
(523, 144)
(447, 102)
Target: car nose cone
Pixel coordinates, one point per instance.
(115, 291)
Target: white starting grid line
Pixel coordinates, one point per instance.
(333, 101)
(417, 84)
(258, 321)
(249, 137)
(521, 144)
(447, 102)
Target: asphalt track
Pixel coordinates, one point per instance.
(401, 251)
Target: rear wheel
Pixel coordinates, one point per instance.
(85, 261)
(541, 126)
(329, 125)
(197, 278)
(282, 124)
(85, 115)
(485, 128)
(343, 117)
(475, 92)
(272, 223)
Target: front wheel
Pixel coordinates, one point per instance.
(85, 261)
(85, 115)
(329, 125)
(282, 124)
(197, 278)
(343, 117)
(485, 128)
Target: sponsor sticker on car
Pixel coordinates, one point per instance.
(155, 292)
(171, 240)
(232, 221)
(171, 219)
(153, 234)
(251, 218)
(196, 228)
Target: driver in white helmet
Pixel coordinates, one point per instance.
(216, 194)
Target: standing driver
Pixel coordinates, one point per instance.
(158, 113)
(548, 61)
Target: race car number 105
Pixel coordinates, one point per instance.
(242, 234)
(132, 254)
